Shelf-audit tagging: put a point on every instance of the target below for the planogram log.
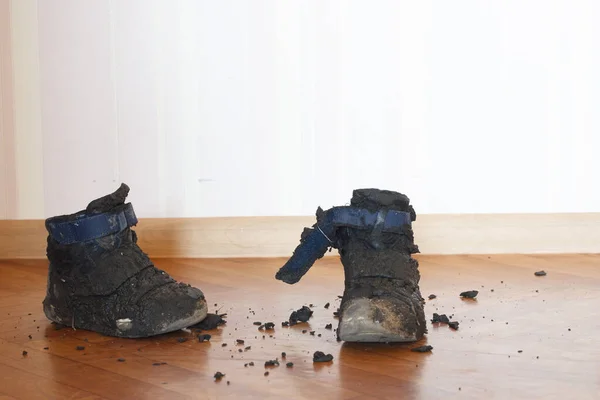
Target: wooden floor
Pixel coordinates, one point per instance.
(525, 337)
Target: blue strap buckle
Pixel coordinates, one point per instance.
(89, 227)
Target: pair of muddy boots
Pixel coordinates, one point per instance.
(100, 280)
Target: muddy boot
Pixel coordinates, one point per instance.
(100, 280)
(382, 301)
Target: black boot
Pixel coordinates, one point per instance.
(382, 301)
(100, 280)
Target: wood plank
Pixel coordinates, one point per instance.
(73, 373)
(22, 239)
(278, 236)
(553, 320)
(25, 385)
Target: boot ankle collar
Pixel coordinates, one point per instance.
(84, 227)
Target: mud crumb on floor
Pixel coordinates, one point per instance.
(283, 355)
(204, 337)
(266, 373)
(120, 359)
(422, 349)
(219, 375)
(453, 325)
(46, 348)
(319, 356)
(540, 273)
(328, 326)
(301, 315)
(24, 353)
(239, 341)
(272, 363)
(182, 340)
(289, 364)
(251, 363)
(432, 296)
(247, 348)
(257, 323)
(440, 319)
(212, 321)
(469, 294)
(312, 333)
(80, 348)
(326, 305)
(285, 324)
(223, 344)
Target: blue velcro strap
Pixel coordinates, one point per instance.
(361, 218)
(314, 245)
(90, 227)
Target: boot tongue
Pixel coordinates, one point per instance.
(376, 199)
(109, 202)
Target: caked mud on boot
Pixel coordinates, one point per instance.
(100, 280)
(382, 301)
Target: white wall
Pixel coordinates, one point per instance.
(228, 108)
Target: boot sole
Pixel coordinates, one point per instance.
(366, 320)
(195, 318)
(128, 330)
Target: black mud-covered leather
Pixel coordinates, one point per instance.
(108, 285)
(98, 267)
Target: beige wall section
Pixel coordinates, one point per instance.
(278, 236)
(28, 144)
(162, 90)
(8, 193)
(4, 19)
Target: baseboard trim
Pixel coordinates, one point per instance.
(278, 236)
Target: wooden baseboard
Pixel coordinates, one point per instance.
(278, 236)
